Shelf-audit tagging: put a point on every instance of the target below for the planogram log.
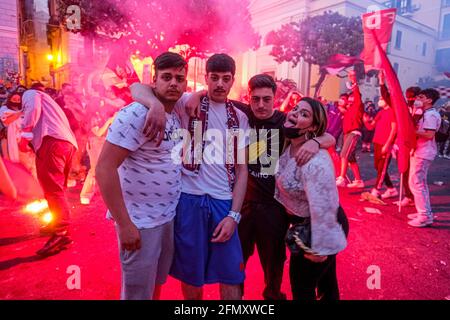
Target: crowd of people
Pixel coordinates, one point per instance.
(196, 208)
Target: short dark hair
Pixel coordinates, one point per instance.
(37, 86)
(65, 84)
(262, 81)
(168, 60)
(343, 95)
(220, 62)
(432, 94)
(414, 90)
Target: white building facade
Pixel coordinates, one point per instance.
(415, 39)
(9, 38)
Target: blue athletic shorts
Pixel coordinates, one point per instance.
(198, 261)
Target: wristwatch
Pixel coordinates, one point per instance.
(236, 216)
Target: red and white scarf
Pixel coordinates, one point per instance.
(195, 156)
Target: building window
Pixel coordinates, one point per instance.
(446, 27)
(443, 60)
(445, 3)
(396, 67)
(424, 49)
(398, 40)
(402, 6)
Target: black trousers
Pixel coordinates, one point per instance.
(408, 192)
(381, 163)
(265, 225)
(307, 276)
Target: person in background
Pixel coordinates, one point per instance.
(66, 88)
(410, 94)
(423, 156)
(54, 144)
(334, 128)
(94, 145)
(367, 135)
(291, 101)
(385, 127)
(443, 135)
(352, 110)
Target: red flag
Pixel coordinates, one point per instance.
(377, 25)
(122, 67)
(339, 62)
(406, 131)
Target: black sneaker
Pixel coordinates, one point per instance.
(46, 230)
(57, 243)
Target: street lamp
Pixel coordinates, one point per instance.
(51, 68)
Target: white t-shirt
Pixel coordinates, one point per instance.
(427, 149)
(149, 178)
(46, 118)
(212, 178)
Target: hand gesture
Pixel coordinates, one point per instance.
(129, 237)
(224, 230)
(306, 152)
(155, 123)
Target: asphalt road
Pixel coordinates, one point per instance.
(385, 258)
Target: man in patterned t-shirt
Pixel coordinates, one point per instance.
(141, 184)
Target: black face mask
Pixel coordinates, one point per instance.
(293, 133)
(14, 105)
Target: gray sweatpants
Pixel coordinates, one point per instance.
(144, 268)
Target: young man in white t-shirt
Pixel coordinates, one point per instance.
(141, 184)
(207, 246)
(422, 157)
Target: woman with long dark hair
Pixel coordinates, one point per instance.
(310, 196)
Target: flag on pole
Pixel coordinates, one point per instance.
(406, 133)
(377, 25)
(339, 62)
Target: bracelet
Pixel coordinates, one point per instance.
(314, 139)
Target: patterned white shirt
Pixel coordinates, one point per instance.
(149, 177)
(310, 191)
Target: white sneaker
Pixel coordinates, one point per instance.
(406, 202)
(71, 183)
(389, 193)
(413, 216)
(356, 184)
(340, 181)
(421, 222)
(85, 200)
(374, 192)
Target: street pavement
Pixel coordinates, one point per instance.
(385, 258)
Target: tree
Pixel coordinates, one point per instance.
(148, 28)
(316, 39)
